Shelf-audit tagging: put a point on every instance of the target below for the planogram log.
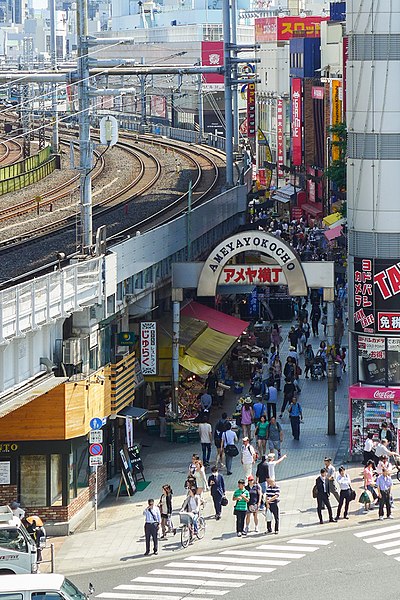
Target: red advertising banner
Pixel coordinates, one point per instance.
(317, 93)
(280, 152)
(212, 55)
(297, 137)
(272, 29)
(251, 110)
(158, 106)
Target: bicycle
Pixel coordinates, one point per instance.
(186, 520)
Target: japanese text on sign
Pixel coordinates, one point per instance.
(148, 347)
(251, 110)
(363, 295)
(388, 321)
(279, 136)
(252, 275)
(296, 122)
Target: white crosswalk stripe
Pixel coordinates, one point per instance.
(383, 538)
(213, 576)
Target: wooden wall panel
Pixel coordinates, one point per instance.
(83, 401)
(41, 419)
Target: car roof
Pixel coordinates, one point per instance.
(38, 581)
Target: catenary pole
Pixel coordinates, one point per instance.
(53, 52)
(235, 76)
(228, 92)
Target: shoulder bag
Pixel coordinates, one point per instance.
(231, 449)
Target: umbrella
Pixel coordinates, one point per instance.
(37, 520)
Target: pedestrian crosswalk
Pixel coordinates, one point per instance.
(384, 538)
(212, 576)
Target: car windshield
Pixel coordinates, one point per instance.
(70, 591)
(13, 539)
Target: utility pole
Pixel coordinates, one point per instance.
(54, 95)
(235, 88)
(331, 365)
(85, 146)
(201, 106)
(226, 18)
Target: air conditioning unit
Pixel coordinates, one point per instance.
(72, 351)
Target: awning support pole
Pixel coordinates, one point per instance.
(177, 297)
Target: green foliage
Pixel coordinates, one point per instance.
(337, 169)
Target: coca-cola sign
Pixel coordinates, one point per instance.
(384, 394)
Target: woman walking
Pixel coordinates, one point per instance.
(165, 506)
(272, 497)
(277, 371)
(228, 441)
(261, 433)
(276, 338)
(369, 480)
(241, 497)
(344, 482)
(247, 416)
(254, 503)
(200, 477)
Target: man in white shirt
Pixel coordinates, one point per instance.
(206, 437)
(331, 476)
(152, 522)
(381, 449)
(248, 457)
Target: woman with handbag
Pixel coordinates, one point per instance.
(254, 503)
(165, 506)
(228, 441)
(216, 484)
(346, 493)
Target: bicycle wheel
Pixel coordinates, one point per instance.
(185, 536)
(201, 528)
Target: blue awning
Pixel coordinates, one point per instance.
(133, 412)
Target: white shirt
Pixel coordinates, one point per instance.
(271, 469)
(369, 444)
(344, 481)
(387, 465)
(248, 453)
(381, 450)
(205, 432)
(152, 514)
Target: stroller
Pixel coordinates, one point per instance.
(317, 369)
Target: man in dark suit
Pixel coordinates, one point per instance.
(322, 483)
(217, 488)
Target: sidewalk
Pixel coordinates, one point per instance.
(119, 537)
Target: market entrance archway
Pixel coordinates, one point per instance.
(255, 241)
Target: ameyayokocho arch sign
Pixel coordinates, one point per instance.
(257, 241)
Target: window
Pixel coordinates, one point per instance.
(33, 480)
(56, 479)
(70, 591)
(13, 539)
(46, 596)
(378, 360)
(9, 596)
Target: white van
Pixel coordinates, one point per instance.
(38, 587)
(18, 552)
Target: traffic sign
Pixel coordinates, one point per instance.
(96, 423)
(95, 449)
(95, 461)
(96, 437)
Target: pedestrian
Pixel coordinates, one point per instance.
(272, 497)
(211, 385)
(206, 436)
(322, 495)
(152, 522)
(344, 482)
(261, 433)
(259, 408)
(17, 510)
(241, 498)
(293, 338)
(254, 503)
(331, 476)
(369, 453)
(386, 434)
(309, 358)
(289, 369)
(262, 473)
(272, 402)
(276, 338)
(369, 481)
(247, 416)
(315, 317)
(338, 331)
(272, 464)
(229, 438)
(247, 458)
(289, 390)
(192, 466)
(381, 449)
(205, 402)
(216, 484)
(274, 436)
(192, 505)
(277, 371)
(384, 484)
(165, 506)
(200, 477)
(296, 416)
(220, 427)
(384, 464)
(35, 528)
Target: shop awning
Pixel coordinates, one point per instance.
(133, 412)
(312, 208)
(285, 193)
(215, 319)
(331, 234)
(19, 398)
(207, 351)
(331, 219)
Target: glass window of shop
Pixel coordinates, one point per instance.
(378, 360)
(41, 479)
(78, 476)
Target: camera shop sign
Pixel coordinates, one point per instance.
(376, 299)
(148, 347)
(252, 241)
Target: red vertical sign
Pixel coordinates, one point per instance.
(251, 110)
(280, 153)
(297, 136)
(212, 55)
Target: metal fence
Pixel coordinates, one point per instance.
(25, 165)
(24, 179)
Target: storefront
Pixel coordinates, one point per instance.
(369, 407)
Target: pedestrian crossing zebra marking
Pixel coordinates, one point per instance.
(386, 539)
(211, 577)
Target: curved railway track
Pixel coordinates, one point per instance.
(206, 175)
(10, 152)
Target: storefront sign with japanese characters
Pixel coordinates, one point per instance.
(252, 275)
(364, 319)
(297, 134)
(280, 151)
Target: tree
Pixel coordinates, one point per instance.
(337, 170)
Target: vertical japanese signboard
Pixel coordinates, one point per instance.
(364, 319)
(297, 137)
(212, 55)
(280, 152)
(148, 347)
(251, 110)
(336, 107)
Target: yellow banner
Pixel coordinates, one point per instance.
(336, 103)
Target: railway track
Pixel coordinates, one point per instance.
(10, 152)
(206, 174)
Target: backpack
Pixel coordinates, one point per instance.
(315, 491)
(219, 430)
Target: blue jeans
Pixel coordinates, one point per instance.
(228, 463)
(206, 452)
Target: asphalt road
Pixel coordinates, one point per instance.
(352, 562)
